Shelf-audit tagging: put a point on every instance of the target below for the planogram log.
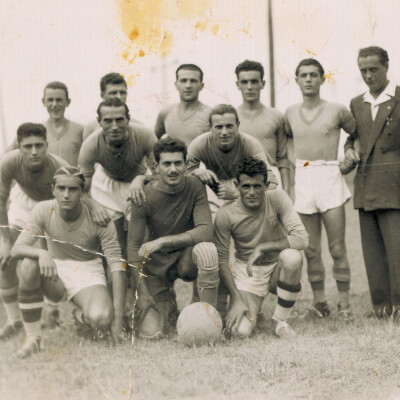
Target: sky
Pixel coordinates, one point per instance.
(77, 42)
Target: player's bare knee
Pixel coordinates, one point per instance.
(205, 257)
(313, 252)
(29, 272)
(100, 317)
(291, 261)
(337, 250)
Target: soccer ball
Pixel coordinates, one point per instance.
(199, 323)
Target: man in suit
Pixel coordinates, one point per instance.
(377, 183)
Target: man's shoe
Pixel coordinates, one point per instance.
(52, 320)
(11, 330)
(83, 330)
(283, 329)
(31, 346)
(317, 311)
(345, 314)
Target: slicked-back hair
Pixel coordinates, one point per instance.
(113, 102)
(310, 61)
(222, 109)
(375, 51)
(70, 171)
(191, 67)
(56, 85)
(113, 78)
(169, 145)
(252, 167)
(248, 65)
(30, 129)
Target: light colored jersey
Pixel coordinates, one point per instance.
(186, 128)
(268, 127)
(123, 165)
(318, 139)
(224, 165)
(72, 241)
(66, 143)
(275, 220)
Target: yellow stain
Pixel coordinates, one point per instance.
(306, 164)
(310, 52)
(201, 26)
(215, 29)
(330, 76)
(141, 53)
(124, 392)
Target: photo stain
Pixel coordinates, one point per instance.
(329, 76)
(310, 52)
(306, 164)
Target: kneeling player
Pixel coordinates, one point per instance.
(268, 236)
(71, 267)
(178, 218)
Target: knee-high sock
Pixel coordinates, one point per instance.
(9, 297)
(31, 305)
(287, 295)
(206, 258)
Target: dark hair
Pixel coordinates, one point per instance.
(222, 109)
(56, 85)
(310, 61)
(191, 67)
(70, 171)
(248, 65)
(30, 129)
(169, 145)
(252, 166)
(113, 102)
(113, 78)
(375, 51)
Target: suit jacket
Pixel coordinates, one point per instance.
(377, 182)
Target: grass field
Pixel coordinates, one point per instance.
(327, 360)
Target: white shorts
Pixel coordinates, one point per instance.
(78, 275)
(20, 207)
(110, 193)
(319, 186)
(258, 284)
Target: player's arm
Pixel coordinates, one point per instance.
(281, 155)
(159, 128)
(193, 160)
(351, 155)
(222, 235)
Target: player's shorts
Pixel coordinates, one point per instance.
(110, 193)
(78, 275)
(319, 186)
(20, 207)
(258, 284)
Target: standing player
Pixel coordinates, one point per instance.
(268, 236)
(320, 189)
(71, 266)
(189, 118)
(119, 149)
(264, 123)
(376, 185)
(178, 220)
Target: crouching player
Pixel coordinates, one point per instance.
(268, 236)
(71, 267)
(178, 218)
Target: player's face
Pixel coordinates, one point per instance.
(189, 85)
(250, 84)
(309, 80)
(118, 91)
(55, 100)
(172, 168)
(114, 123)
(33, 150)
(374, 73)
(224, 129)
(67, 191)
(251, 189)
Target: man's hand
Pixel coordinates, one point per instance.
(116, 329)
(5, 253)
(351, 157)
(99, 214)
(151, 247)
(47, 266)
(206, 176)
(227, 191)
(143, 303)
(235, 315)
(254, 256)
(136, 191)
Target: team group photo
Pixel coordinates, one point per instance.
(192, 243)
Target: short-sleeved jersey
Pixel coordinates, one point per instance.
(318, 139)
(66, 143)
(94, 125)
(224, 165)
(123, 165)
(275, 220)
(268, 127)
(81, 240)
(36, 185)
(187, 128)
